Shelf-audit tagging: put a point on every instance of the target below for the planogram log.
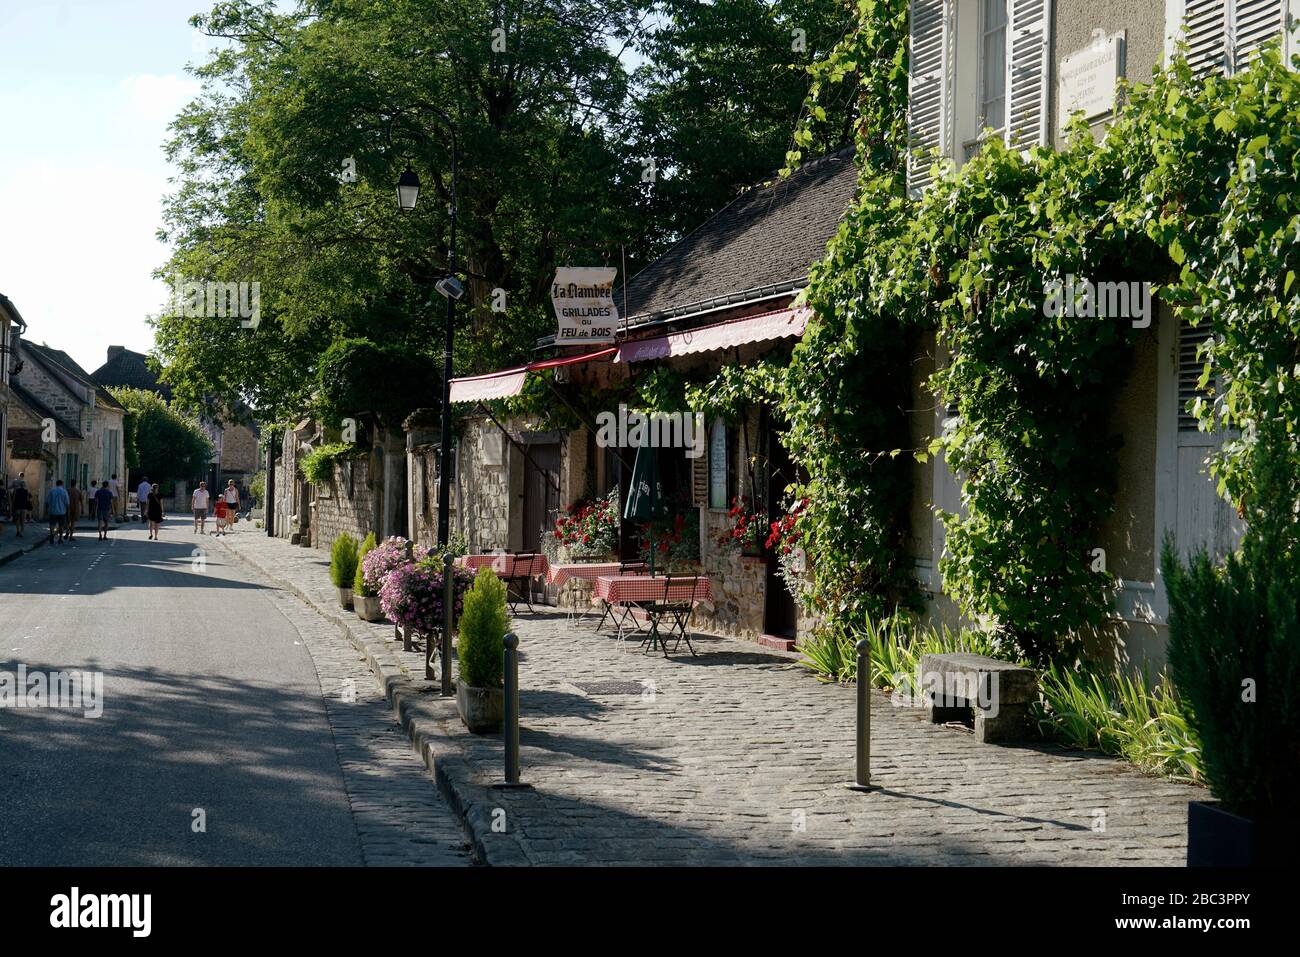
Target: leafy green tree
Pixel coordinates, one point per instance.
(168, 444)
(719, 95)
(358, 377)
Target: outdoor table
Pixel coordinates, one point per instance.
(632, 590)
(505, 565)
(510, 568)
(559, 574)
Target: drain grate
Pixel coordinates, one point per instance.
(610, 687)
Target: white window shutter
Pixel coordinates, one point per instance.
(1029, 25)
(1253, 23)
(1205, 31)
(929, 66)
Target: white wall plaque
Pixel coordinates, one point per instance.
(1088, 78)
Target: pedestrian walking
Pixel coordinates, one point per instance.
(76, 507)
(5, 508)
(199, 504)
(20, 505)
(231, 495)
(104, 501)
(142, 497)
(56, 508)
(222, 515)
(115, 487)
(154, 511)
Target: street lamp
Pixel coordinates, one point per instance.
(408, 189)
(451, 289)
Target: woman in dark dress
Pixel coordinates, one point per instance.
(154, 511)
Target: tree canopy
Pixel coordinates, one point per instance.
(166, 444)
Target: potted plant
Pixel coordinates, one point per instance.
(1234, 653)
(746, 527)
(589, 532)
(676, 541)
(343, 567)
(480, 650)
(365, 592)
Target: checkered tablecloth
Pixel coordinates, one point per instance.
(561, 573)
(623, 589)
(506, 566)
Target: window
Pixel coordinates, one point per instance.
(993, 65)
(975, 64)
(1223, 35)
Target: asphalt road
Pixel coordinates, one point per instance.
(211, 703)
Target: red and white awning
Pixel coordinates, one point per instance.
(510, 382)
(768, 326)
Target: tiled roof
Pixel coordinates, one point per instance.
(128, 368)
(765, 240)
(60, 358)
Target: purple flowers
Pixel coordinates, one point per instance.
(383, 558)
(411, 595)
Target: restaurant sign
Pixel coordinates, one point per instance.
(583, 297)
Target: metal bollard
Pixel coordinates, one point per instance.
(406, 638)
(862, 776)
(448, 622)
(511, 731)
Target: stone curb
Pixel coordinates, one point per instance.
(6, 559)
(424, 718)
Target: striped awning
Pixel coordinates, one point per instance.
(768, 326)
(510, 382)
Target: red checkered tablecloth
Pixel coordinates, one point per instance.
(506, 566)
(561, 573)
(623, 589)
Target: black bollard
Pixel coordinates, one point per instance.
(448, 622)
(511, 730)
(862, 776)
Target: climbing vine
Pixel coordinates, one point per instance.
(1193, 190)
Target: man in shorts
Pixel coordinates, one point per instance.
(56, 507)
(199, 502)
(103, 505)
(116, 488)
(142, 496)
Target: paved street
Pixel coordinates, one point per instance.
(740, 757)
(226, 704)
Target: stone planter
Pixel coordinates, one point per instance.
(482, 709)
(1219, 838)
(345, 597)
(367, 607)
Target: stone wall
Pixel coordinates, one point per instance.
(343, 504)
(239, 450)
(481, 500)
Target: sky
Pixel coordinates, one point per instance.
(87, 88)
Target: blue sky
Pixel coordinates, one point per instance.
(87, 88)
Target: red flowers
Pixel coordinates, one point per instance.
(745, 524)
(785, 531)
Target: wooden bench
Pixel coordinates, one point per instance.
(998, 693)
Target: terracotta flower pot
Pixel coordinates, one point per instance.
(482, 709)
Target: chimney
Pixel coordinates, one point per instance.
(115, 351)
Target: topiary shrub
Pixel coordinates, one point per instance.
(343, 561)
(482, 632)
(1234, 644)
(359, 586)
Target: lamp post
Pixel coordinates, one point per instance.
(450, 288)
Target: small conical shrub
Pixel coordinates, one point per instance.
(359, 578)
(483, 624)
(343, 561)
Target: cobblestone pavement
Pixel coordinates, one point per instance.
(401, 819)
(739, 756)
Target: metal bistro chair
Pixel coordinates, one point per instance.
(519, 582)
(624, 568)
(678, 611)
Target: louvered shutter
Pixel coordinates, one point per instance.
(1190, 367)
(1028, 47)
(1254, 23)
(930, 30)
(1205, 30)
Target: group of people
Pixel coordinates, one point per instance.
(65, 505)
(226, 510)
